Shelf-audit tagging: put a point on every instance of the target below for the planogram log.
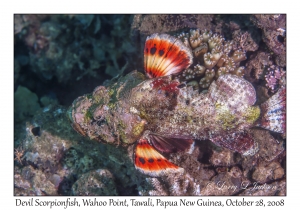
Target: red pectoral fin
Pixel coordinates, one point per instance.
(165, 55)
(170, 144)
(150, 162)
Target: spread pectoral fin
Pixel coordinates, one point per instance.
(240, 142)
(150, 162)
(165, 55)
(170, 144)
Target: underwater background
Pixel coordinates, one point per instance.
(58, 58)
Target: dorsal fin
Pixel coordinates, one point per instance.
(165, 55)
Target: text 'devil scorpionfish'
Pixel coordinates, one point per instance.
(161, 115)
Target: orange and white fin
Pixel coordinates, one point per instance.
(150, 162)
(165, 55)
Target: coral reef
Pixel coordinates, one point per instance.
(274, 34)
(175, 184)
(56, 53)
(257, 65)
(268, 172)
(26, 103)
(261, 69)
(57, 161)
(60, 57)
(225, 183)
(58, 157)
(222, 158)
(145, 25)
(60, 48)
(93, 183)
(275, 78)
(232, 97)
(214, 57)
(29, 181)
(244, 40)
(269, 149)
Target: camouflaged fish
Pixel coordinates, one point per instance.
(163, 116)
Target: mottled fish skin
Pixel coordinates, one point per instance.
(183, 112)
(161, 115)
(123, 114)
(161, 106)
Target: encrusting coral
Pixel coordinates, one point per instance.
(274, 34)
(172, 184)
(275, 77)
(95, 183)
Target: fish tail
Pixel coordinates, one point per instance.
(273, 112)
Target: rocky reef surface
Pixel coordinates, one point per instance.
(60, 57)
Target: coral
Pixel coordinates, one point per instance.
(257, 65)
(222, 158)
(95, 183)
(193, 167)
(26, 103)
(266, 172)
(175, 184)
(269, 147)
(275, 78)
(244, 40)
(55, 173)
(70, 47)
(274, 34)
(163, 110)
(78, 161)
(149, 24)
(270, 21)
(30, 182)
(225, 183)
(56, 50)
(214, 57)
(43, 152)
(60, 156)
(261, 67)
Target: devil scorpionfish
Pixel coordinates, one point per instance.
(162, 115)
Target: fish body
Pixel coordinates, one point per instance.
(161, 115)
